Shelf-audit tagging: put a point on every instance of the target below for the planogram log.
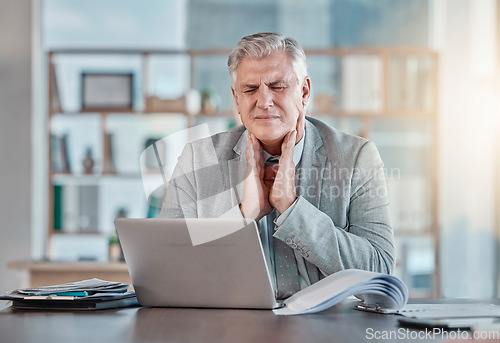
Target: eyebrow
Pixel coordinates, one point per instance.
(277, 83)
(250, 85)
(270, 84)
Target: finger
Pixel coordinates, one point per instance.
(293, 139)
(301, 123)
(258, 156)
(250, 153)
(257, 148)
(284, 144)
(287, 148)
(286, 168)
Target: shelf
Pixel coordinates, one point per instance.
(361, 114)
(90, 179)
(68, 266)
(43, 273)
(221, 113)
(107, 110)
(76, 232)
(369, 50)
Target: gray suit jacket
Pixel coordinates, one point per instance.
(340, 220)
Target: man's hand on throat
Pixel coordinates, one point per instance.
(271, 187)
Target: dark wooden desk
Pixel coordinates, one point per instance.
(338, 324)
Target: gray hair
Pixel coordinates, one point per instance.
(265, 44)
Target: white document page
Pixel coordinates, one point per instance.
(432, 311)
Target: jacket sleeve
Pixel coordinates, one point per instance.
(180, 197)
(367, 242)
(183, 198)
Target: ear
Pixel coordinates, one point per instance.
(236, 99)
(306, 91)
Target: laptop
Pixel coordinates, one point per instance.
(216, 263)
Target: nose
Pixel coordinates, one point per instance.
(264, 98)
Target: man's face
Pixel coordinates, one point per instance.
(269, 98)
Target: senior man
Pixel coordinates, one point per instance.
(318, 194)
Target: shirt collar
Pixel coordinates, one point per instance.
(297, 151)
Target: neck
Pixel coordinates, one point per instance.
(274, 148)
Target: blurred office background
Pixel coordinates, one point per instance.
(418, 77)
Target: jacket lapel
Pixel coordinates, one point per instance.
(309, 180)
(312, 166)
(237, 167)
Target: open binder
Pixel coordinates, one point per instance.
(378, 292)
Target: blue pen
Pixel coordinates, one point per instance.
(69, 293)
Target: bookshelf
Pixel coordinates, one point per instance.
(388, 95)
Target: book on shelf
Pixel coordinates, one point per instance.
(66, 165)
(55, 100)
(58, 201)
(60, 154)
(411, 82)
(109, 162)
(76, 207)
(55, 153)
(88, 219)
(70, 207)
(361, 83)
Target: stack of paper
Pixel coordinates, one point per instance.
(91, 287)
(89, 294)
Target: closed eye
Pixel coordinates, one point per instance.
(278, 88)
(250, 91)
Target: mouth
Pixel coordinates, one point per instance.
(266, 118)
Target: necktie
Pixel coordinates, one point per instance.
(285, 265)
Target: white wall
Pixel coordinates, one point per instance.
(114, 24)
(15, 121)
(466, 36)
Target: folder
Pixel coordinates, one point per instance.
(76, 303)
(92, 294)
